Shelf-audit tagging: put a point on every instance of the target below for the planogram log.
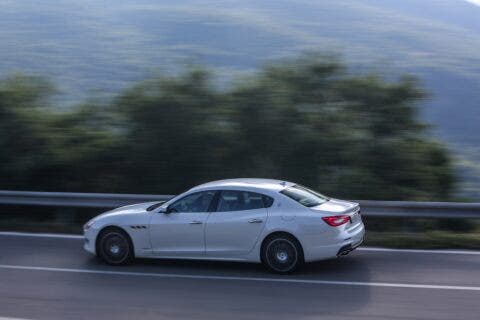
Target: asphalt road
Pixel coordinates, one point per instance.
(53, 278)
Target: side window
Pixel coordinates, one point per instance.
(233, 200)
(268, 201)
(195, 202)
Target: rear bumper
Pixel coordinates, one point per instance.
(346, 249)
(344, 243)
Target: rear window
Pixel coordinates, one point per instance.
(304, 196)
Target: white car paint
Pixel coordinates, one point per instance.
(232, 235)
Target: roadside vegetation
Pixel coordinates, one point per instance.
(309, 120)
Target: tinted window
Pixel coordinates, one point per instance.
(268, 201)
(232, 200)
(195, 202)
(304, 196)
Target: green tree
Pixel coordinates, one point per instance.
(350, 135)
(171, 133)
(22, 146)
(307, 120)
(45, 149)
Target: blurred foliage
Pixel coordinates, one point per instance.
(307, 120)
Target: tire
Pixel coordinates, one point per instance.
(282, 254)
(114, 247)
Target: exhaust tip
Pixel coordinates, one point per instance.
(345, 250)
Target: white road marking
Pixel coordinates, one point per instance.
(419, 250)
(76, 236)
(10, 318)
(41, 235)
(235, 278)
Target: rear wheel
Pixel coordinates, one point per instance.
(282, 254)
(114, 247)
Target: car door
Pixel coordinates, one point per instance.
(235, 226)
(180, 232)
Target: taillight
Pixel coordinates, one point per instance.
(336, 221)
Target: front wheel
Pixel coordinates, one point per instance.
(114, 247)
(282, 254)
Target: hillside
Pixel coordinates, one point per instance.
(104, 45)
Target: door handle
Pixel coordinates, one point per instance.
(195, 222)
(255, 221)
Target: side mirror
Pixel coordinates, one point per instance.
(167, 210)
(163, 210)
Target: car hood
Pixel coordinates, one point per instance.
(132, 208)
(336, 206)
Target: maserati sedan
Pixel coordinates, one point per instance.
(277, 223)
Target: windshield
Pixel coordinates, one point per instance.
(304, 196)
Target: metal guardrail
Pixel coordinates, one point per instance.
(409, 209)
(414, 209)
(67, 199)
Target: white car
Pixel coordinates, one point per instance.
(280, 224)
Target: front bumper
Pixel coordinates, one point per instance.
(89, 240)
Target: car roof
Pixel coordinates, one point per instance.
(246, 183)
